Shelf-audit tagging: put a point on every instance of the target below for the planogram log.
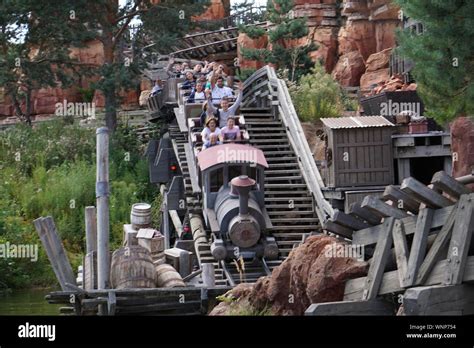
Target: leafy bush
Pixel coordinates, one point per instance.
(317, 95)
(54, 174)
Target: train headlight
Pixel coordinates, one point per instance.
(244, 231)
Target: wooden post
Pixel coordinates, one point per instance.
(176, 222)
(165, 223)
(102, 194)
(91, 229)
(55, 251)
(208, 275)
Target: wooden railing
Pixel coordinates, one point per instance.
(265, 89)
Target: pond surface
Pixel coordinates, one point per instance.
(27, 302)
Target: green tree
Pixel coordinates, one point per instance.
(285, 28)
(35, 38)
(443, 55)
(162, 22)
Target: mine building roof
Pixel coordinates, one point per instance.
(356, 122)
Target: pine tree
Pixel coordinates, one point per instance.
(163, 21)
(285, 28)
(35, 38)
(443, 55)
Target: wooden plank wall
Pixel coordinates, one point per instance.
(362, 156)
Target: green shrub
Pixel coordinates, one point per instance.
(316, 95)
(55, 176)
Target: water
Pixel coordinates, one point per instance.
(27, 302)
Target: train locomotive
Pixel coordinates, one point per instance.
(232, 181)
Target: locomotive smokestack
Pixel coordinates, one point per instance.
(242, 185)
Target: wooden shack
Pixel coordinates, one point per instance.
(358, 151)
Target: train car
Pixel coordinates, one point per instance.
(232, 180)
(227, 183)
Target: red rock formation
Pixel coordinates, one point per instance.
(462, 146)
(217, 9)
(365, 26)
(244, 41)
(307, 276)
(349, 69)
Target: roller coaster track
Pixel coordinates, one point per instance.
(293, 195)
(201, 45)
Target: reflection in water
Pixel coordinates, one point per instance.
(27, 302)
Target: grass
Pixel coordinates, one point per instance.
(50, 170)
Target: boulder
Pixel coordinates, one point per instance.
(358, 35)
(373, 78)
(379, 60)
(308, 275)
(349, 69)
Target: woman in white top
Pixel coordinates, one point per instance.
(211, 127)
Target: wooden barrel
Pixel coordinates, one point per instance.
(140, 217)
(132, 267)
(167, 277)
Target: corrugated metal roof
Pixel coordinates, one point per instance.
(356, 122)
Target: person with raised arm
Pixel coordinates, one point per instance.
(224, 111)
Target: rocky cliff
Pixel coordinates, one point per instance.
(44, 100)
(355, 38)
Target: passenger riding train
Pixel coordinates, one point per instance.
(226, 181)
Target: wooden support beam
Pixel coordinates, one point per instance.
(111, 303)
(55, 250)
(91, 229)
(379, 260)
(337, 229)
(460, 240)
(348, 221)
(369, 236)
(400, 199)
(192, 169)
(438, 246)
(90, 271)
(357, 308)
(423, 194)
(390, 284)
(401, 251)
(356, 210)
(418, 246)
(176, 222)
(208, 275)
(445, 183)
(439, 300)
(382, 209)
